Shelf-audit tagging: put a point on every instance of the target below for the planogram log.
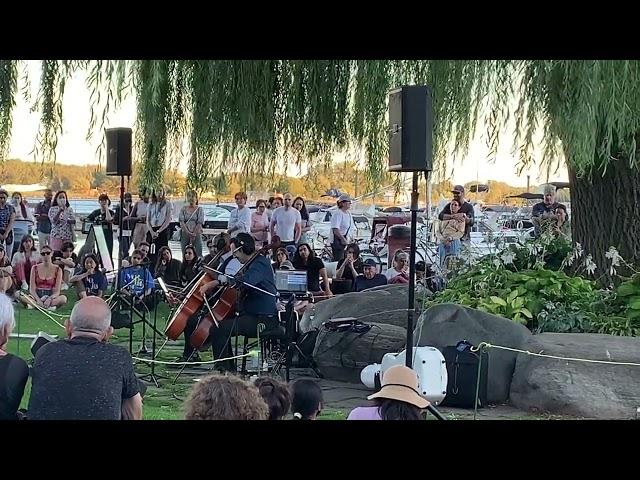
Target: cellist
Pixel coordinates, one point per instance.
(227, 264)
(253, 307)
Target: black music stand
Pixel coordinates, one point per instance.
(152, 376)
(291, 345)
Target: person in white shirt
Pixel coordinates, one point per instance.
(342, 228)
(240, 217)
(399, 273)
(286, 223)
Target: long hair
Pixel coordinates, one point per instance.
(297, 259)
(159, 260)
(24, 239)
(303, 211)
(225, 397)
(55, 199)
(390, 409)
(306, 399)
(21, 203)
(276, 395)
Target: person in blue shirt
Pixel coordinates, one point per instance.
(89, 280)
(254, 306)
(136, 281)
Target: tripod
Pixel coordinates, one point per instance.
(292, 347)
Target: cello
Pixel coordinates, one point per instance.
(191, 304)
(227, 298)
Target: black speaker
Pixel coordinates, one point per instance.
(118, 151)
(410, 129)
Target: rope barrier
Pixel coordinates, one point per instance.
(487, 345)
(148, 360)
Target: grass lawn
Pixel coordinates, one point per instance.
(163, 403)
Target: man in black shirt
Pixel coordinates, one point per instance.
(370, 277)
(466, 209)
(254, 306)
(83, 377)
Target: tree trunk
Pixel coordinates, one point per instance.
(605, 212)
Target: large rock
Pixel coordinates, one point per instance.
(343, 355)
(577, 388)
(386, 304)
(447, 324)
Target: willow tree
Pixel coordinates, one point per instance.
(249, 116)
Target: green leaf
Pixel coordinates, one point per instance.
(498, 300)
(526, 313)
(512, 295)
(635, 303)
(517, 303)
(626, 289)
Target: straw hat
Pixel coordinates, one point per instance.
(401, 383)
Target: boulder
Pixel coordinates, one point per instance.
(387, 304)
(577, 388)
(343, 355)
(447, 324)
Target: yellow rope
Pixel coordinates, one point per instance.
(586, 360)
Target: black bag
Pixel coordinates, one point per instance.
(462, 373)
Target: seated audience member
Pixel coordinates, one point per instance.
(370, 278)
(399, 273)
(89, 281)
(350, 267)
(281, 256)
(305, 259)
(67, 261)
(397, 400)
(225, 397)
(6, 271)
(137, 282)
(23, 260)
(190, 267)
(46, 279)
(167, 267)
(306, 399)
(276, 395)
(83, 377)
(211, 246)
(14, 371)
(144, 251)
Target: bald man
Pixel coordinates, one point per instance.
(83, 377)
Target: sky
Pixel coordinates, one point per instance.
(73, 148)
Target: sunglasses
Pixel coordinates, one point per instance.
(3, 197)
(136, 259)
(45, 253)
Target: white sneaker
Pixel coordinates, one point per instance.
(29, 306)
(25, 286)
(52, 309)
(64, 286)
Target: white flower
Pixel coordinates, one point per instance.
(578, 250)
(507, 257)
(496, 262)
(614, 256)
(531, 248)
(589, 265)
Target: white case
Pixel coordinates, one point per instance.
(429, 365)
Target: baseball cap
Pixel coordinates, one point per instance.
(369, 262)
(457, 188)
(344, 198)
